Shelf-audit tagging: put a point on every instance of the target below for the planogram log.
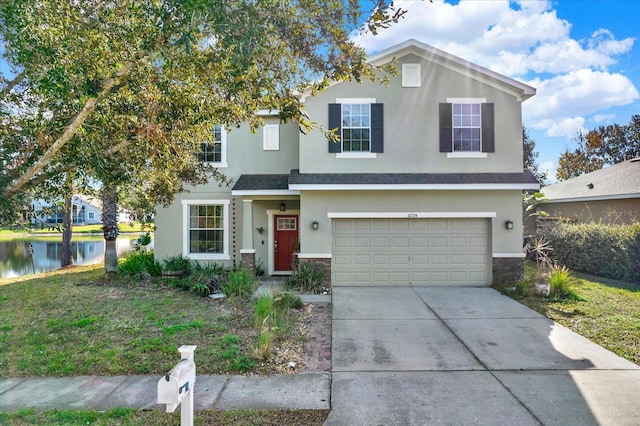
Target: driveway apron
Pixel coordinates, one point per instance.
(468, 355)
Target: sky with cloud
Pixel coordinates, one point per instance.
(583, 57)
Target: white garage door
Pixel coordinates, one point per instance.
(410, 252)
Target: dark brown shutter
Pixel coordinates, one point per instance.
(335, 119)
(488, 134)
(377, 128)
(446, 128)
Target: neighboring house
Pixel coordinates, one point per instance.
(86, 211)
(423, 188)
(609, 195)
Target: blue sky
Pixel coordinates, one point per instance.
(582, 56)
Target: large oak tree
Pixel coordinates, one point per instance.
(123, 92)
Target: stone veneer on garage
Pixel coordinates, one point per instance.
(507, 270)
(324, 263)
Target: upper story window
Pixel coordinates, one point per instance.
(358, 123)
(214, 151)
(356, 127)
(466, 128)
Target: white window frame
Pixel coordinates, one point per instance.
(411, 75)
(91, 215)
(186, 204)
(465, 154)
(271, 137)
(223, 149)
(355, 154)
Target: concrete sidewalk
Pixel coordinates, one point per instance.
(461, 356)
(296, 391)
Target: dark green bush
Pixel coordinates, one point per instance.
(611, 251)
(140, 263)
(177, 263)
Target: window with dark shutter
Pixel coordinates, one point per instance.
(488, 137)
(466, 127)
(446, 130)
(335, 118)
(359, 127)
(377, 128)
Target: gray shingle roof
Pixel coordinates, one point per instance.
(262, 183)
(524, 178)
(621, 180)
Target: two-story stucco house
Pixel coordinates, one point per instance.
(423, 188)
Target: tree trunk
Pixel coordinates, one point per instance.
(67, 255)
(110, 228)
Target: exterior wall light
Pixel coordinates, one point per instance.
(283, 206)
(508, 224)
(315, 225)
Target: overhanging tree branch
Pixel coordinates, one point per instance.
(12, 83)
(107, 87)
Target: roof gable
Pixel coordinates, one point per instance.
(454, 63)
(506, 84)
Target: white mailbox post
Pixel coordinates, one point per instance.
(177, 386)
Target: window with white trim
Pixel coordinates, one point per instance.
(466, 127)
(356, 127)
(214, 151)
(206, 229)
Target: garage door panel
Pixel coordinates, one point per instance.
(400, 259)
(342, 242)
(439, 241)
(458, 241)
(420, 259)
(410, 251)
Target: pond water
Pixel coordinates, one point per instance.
(16, 261)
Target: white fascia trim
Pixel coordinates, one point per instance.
(410, 215)
(355, 100)
(314, 255)
(266, 192)
(509, 255)
(466, 100)
(410, 187)
(218, 165)
(466, 155)
(598, 198)
(247, 251)
(356, 155)
(185, 230)
(268, 112)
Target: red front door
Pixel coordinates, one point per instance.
(284, 241)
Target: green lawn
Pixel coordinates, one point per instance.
(608, 314)
(10, 233)
(125, 417)
(69, 322)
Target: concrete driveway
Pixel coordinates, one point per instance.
(468, 356)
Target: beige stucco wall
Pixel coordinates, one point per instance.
(245, 155)
(316, 205)
(411, 126)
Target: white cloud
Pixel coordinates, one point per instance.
(528, 41)
(567, 127)
(580, 92)
(599, 118)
